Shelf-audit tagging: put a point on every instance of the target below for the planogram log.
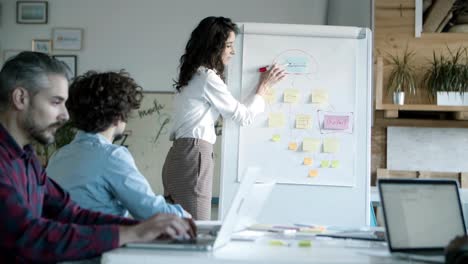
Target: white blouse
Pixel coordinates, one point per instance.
(199, 104)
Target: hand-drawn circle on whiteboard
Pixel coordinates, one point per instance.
(297, 62)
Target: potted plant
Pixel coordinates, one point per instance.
(447, 78)
(401, 78)
(63, 136)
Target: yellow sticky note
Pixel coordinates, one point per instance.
(278, 243)
(308, 161)
(270, 96)
(319, 97)
(331, 145)
(313, 173)
(292, 146)
(303, 121)
(335, 163)
(291, 96)
(276, 120)
(276, 138)
(310, 145)
(325, 163)
(304, 243)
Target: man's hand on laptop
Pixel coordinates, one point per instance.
(186, 214)
(156, 226)
(193, 228)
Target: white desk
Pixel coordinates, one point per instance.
(323, 250)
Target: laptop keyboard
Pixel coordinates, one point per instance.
(428, 253)
(201, 238)
(184, 241)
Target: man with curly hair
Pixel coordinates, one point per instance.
(40, 223)
(102, 176)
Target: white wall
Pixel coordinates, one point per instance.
(146, 37)
(350, 13)
(427, 149)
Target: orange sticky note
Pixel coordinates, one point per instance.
(292, 146)
(308, 161)
(313, 173)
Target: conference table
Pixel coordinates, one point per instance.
(320, 250)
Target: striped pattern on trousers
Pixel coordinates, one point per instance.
(188, 176)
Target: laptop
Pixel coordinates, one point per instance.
(247, 202)
(421, 217)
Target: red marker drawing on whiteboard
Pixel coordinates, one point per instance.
(264, 69)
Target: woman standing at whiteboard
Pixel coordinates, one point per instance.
(201, 97)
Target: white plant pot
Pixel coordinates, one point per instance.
(399, 98)
(451, 98)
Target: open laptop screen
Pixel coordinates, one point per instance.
(421, 214)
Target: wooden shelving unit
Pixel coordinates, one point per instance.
(381, 121)
(396, 24)
(444, 36)
(392, 110)
(396, 29)
(456, 113)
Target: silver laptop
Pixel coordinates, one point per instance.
(421, 217)
(211, 237)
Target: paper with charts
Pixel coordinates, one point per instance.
(306, 134)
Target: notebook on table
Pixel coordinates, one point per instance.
(244, 207)
(421, 217)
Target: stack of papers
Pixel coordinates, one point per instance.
(302, 231)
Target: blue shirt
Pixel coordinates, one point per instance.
(103, 177)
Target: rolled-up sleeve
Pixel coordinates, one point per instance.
(132, 189)
(217, 93)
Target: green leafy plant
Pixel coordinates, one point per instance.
(401, 78)
(447, 73)
(63, 136)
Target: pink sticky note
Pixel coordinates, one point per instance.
(333, 122)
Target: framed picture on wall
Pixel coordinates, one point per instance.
(70, 61)
(42, 45)
(67, 38)
(31, 12)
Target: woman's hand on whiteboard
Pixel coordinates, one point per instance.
(269, 78)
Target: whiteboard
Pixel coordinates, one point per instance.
(148, 136)
(314, 136)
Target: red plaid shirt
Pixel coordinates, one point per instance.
(38, 221)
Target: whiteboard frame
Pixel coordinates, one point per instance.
(285, 206)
